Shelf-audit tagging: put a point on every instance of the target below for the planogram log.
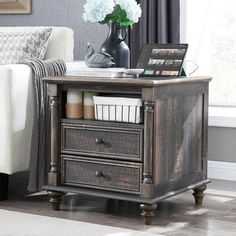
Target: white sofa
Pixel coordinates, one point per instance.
(16, 104)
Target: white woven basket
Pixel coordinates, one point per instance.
(118, 109)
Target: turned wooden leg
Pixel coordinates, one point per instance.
(4, 179)
(148, 212)
(199, 194)
(55, 199)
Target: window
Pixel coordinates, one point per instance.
(209, 27)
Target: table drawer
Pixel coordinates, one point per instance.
(109, 175)
(101, 141)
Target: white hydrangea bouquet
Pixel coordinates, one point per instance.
(121, 12)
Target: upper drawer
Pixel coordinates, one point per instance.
(103, 141)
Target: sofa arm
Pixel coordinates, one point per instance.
(16, 117)
(5, 118)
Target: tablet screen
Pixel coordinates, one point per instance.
(162, 60)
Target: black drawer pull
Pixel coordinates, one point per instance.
(99, 174)
(99, 141)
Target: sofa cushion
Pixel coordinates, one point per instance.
(16, 117)
(16, 46)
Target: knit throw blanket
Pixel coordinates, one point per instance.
(40, 142)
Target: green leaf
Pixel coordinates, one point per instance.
(127, 23)
(107, 19)
(118, 16)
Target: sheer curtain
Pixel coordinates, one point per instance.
(210, 31)
(160, 23)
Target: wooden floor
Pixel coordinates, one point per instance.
(175, 216)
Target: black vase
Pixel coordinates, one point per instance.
(115, 46)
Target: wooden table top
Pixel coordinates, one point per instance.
(146, 82)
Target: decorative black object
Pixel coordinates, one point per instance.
(97, 60)
(162, 60)
(115, 45)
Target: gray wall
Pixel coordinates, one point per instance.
(61, 13)
(222, 144)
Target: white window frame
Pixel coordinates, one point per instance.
(219, 116)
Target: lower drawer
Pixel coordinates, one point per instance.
(109, 175)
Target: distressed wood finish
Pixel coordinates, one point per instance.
(96, 192)
(148, 134)
(180, 137)
(147, 184)
(114, 142)
(54, 175)
(89, 172)
(55, 199)
(199, 195)
(140, 82)
(145, 163)
(148, 212)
